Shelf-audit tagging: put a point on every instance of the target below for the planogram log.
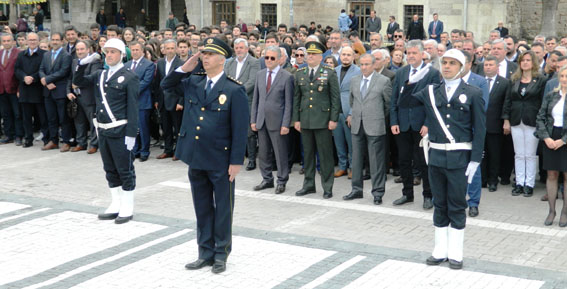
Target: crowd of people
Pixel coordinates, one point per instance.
(316, 105)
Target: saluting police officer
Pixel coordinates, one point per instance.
(316, 106)
(116, 95)
(212, 141)
(456, 121)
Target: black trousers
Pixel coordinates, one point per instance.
(213, 200)
(408, 151)
(491, 161)
(507, 157)
(28, 110)
(449, 188)
(170, 125)
(12, 115)
(118, 162)
(57, 117)
(84, 126)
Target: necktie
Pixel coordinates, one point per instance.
(448, 93)
(434, 26)
(488, 80)
(364, 88)
(52, 57)
(269, 84)
(133, 65)
(413, 71)
(311, 74)
(209, 88)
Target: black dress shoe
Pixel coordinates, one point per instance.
(549, 219)
(280, 189)
(377, 200)
(304, 192)
(395, 173)
(366, 177)
(427, 203)
(352, 196)
(455, 264)
(301, 171)
(251, 166)
(219, 267)
(528, 191)
(107, 216)
(504, 182)
(144, 158)
(327, 195)
(18, 141)
(402, 200)
(432, 261)
(122, 220)
(473, 212)
(264, 185)
(517, 190)
(6, 140)
(27, 144)
(492, 187)
(200, 263)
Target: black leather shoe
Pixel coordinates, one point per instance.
(427, 204)
(122, 220)
(455, 264)
(200, 263)
(301, 171)
(377, 200)
(251, 166)
(473, 212)
(280, 189)
(27, 144)
(352, 196)
(432, 261)
(396, 173)
(144, 158)
(528, 191)
(304, 192)
(549, 219)
(492, 187)
(219, 267)
(402, 200)
(264, 185)
(366, 177)
(518, 190)
(327, 195)
(107, 216)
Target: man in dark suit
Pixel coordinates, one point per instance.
(503, 30)
(370, 100)
(145, 70)
(9, 105)
(407, 117)
(244, 68)
(71, 37)
(373, 24)
(392, 27)
(31, 100)
(54, 72)
(435, 28)
(271, 118)
(456, 121)
(212, 141)
(415, 29)
(354, 21)
(85, 98)
(499, 87)
(169, 102)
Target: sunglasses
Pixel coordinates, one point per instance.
(272, 58)
(397, 36)
(299, 55)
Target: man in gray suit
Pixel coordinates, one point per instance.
(370, 103)
(244, 68)
(270, 116)
(373, 24)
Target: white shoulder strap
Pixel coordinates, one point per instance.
(438, 115)
(103, 95)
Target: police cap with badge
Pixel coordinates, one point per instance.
(218, 46)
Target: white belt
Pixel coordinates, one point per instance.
(451, 146)
(110, 125)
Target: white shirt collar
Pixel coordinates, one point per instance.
(466, 77)
(369, 77)
(274, 71)
(169, 62)
(314, 69)
(244, 59)
(215, 79)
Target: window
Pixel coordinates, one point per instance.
(409, 11)
(224, 10)
(362, 11)
(270, 14)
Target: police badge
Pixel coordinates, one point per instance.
(462, 98)
(222, 99)
(120, 79)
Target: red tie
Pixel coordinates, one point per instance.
(269, 84)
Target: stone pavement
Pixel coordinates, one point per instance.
(50, 237)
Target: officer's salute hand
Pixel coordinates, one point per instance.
(233, 170)
(191, 63)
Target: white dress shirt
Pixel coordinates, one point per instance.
(239, 65)
(367, 83)
(503, 68)
(451, 87)
(168, 65)
(214, 79)
(113, 69)
(493, 79)
(557, 111)
(274, 73)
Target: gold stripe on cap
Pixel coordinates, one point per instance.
(215, 49)
(218, 47)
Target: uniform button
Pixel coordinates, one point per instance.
(218, 109)
(448, 116)
(198, 128)
(197, 137)
(448, 126)
(448, 105)
(202, 109)
(200, 118)
(101, 110)
(310, 106)
(311, 91)
(310, 83)
(311, 98)
(225, 148)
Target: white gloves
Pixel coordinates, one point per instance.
(89, 59)
(129, 142)
(471, 170)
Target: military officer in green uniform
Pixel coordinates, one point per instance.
(316, 107)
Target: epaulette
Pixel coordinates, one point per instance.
(199, 73)
(233, 79)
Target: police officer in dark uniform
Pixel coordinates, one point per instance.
(316, 107)
(116, 95)
(456, 124)
(212, 141)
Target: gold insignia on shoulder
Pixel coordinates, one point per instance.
(222, 99)
(210, 41)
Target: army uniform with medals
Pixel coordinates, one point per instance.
(316, 103)
(212, 137)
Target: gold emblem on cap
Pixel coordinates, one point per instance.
(222, 99)
(210, 41)
(312, 46)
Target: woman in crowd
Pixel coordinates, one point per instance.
(519, 113)
(288, 40)
(331, 61)
(552, 129)
(300, 55)
(128, 35)
(359, 50)
(260, 50)
(101, 41)
(150, 54)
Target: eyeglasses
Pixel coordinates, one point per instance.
(397, 36)
(299, 55)
(272, 58)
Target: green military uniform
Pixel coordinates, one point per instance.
(315, 103)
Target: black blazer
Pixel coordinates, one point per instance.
(391, 28)
(545, 119)
(496, 98)
(172, 97)
(87, 92)
(28, 65)
(58, 73)
(511, 68)
(524, 109)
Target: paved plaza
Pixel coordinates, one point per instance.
(50, 236)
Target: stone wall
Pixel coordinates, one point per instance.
(531, 14)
